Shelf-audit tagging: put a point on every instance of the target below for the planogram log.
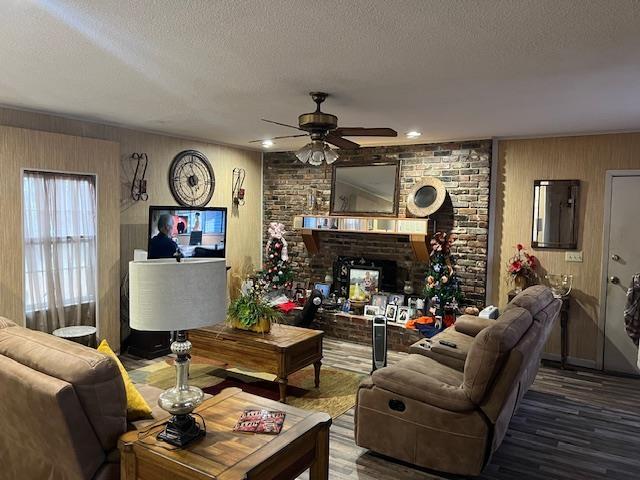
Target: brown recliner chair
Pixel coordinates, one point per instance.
(62, 408)
(444, 418)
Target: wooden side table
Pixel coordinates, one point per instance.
(224, 454)
(564, 323)
(282, 351)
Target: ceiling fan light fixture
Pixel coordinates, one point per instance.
(317, 157)
(413, 134)
(330, 155)
(267, 143)
(317, 152)
(304, 154)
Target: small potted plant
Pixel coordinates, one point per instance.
(251, 311)
(521, 269)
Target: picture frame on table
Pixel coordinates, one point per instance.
(380, 301)
(404, 314)
(391, 312)
(371, 311)
(396, 299)
(363, 282)
(323, 288)
(301, 285)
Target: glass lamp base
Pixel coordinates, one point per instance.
(182, 400)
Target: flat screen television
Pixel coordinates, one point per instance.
(195, 231)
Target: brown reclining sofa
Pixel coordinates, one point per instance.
(62, 408)
(448, 409)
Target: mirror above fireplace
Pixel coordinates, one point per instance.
(365, 189)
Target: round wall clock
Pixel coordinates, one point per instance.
(191, 179)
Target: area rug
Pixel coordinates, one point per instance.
(336, 394)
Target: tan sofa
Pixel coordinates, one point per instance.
(62, 408)
(449, 409)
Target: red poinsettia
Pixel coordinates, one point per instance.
(522, 263)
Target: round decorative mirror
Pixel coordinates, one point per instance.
(426, 197)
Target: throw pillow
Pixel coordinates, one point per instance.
(137, 407)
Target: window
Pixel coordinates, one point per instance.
(59, 245)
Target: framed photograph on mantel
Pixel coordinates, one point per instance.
(363, 282)
(391, 312)
(371, 311)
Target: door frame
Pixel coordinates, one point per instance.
(606, 224)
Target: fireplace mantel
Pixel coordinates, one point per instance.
(416, 229)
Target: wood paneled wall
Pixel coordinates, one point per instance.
(585, 158)
(244, 227)
(20, 149)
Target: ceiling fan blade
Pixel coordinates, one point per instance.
(281, 124)
(340, 142)
(278, 138)
(365, 132)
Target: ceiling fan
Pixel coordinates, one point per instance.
(323, 129)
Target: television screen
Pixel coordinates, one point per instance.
(195, 231)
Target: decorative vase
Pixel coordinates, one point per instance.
(263, 326)
(520, 283)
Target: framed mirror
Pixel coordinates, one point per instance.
(555, 210)
(365, 189)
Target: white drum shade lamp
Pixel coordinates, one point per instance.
(178, 296)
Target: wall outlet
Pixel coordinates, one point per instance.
(573, 256)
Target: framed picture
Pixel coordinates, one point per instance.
(324, 288)
(371, 311)
(380, 301)
(404, 314)
(391, 312)
(363, 282)
(396, 299)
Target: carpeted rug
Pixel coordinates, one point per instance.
(336, 394)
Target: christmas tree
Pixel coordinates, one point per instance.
(276, 272)
(442, 284)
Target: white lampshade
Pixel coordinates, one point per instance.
(170, 295)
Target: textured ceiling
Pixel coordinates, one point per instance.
(452, 69)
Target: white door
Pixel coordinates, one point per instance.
(623, 261)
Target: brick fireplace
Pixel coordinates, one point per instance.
(464, 167)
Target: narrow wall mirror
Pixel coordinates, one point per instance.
(367, 190)
(555, 210)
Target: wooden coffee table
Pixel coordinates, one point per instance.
(227, 455)
(282, 351)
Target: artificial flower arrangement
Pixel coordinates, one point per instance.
(521, 268)
(251, 310)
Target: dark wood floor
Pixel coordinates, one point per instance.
(571, 425)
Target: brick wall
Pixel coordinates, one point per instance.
(464, 167)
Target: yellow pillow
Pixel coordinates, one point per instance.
(137, 407)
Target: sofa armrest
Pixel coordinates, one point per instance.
(472, 325)
(423, 388)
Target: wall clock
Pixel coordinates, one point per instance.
(191, 179)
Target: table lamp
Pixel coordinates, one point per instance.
(178, 296)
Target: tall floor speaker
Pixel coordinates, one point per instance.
(379, 342)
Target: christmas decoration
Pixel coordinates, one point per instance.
(276, 273)
(442, 287)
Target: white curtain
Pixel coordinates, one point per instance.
(59, 250)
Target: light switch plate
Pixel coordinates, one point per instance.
(573, 256)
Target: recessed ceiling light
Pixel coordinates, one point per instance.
(267, 143)
(413, 134)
